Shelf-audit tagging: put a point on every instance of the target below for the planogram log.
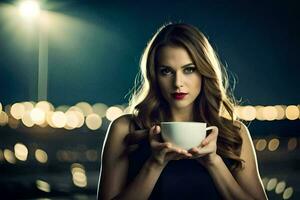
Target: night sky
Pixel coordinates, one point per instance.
(95, 47)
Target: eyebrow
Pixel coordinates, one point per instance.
(189, 64)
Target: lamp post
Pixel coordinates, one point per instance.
(30, 9)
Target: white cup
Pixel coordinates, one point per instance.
(184, 134)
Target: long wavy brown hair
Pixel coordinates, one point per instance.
(214, 105)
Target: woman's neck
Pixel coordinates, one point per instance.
(182, 115)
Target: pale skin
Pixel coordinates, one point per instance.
(243, 184)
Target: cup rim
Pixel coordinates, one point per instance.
(183, 122)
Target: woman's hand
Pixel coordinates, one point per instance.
(206, 152)
(162, 153)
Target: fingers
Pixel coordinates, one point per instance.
(212, 136)
(199, 152)
(169, 148)
(154, 136)
(165, 150)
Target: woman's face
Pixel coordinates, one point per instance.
(178, 78)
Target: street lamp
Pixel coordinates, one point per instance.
(30, 9)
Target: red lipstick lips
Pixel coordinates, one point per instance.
(179, 95)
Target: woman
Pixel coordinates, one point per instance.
(182, 80)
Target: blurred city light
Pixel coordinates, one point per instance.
(28, 105)
(91, 155)
(9, 156)
(273, 144)
(261, 144)
(3, 118)
(21, 151)
(100, 109)
(17, 110)
(85, 107)
(72, 119)
(259, 112)
(29, 8)
(292, 144)
(38, 116)
(41, 156)
(269, 113)
(13, 123)
(93, 121)
(26, 119)
(288, 192)
(292, 112)
(113, 112)
(280, 112)
(43, 186)
(78, 175)
(271, 184)
(280, 187)
(44, 106)
(59, 119)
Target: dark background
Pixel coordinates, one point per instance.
(94, 52)
(95, 47)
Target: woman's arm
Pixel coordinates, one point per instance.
(114, 165)
(244, 184)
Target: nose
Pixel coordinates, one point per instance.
(178, 82)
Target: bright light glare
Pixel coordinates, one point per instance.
(29, 8)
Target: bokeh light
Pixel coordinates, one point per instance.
(271, 184)
(26, 119)
(91, 155)
(17, 110)
(38, 116)
(43, 185)
(273, 144)
(1, 155)
(113, 112)
(280, 112)
(269, 113)
(62, 108)
(21, 151)
(259, 112)
(9, 156)
(261, 144)
(248, 113)
(3, 118)
(59, 119)
(44, 106)
(288, 192)
(78, 175)
(100, 109)
(93, 121)
(13, 123)
(28, 106)
(292, 112)
(41, 156)
(85, 107)
(29, 9)
(292, 144)
(72, 119)
(280, 187)
(80, 118)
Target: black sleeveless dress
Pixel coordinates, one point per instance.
(184, 179)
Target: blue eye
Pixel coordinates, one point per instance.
(189, 70)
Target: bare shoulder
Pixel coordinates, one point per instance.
(117, 131)
(122, 123)
(244, 132)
